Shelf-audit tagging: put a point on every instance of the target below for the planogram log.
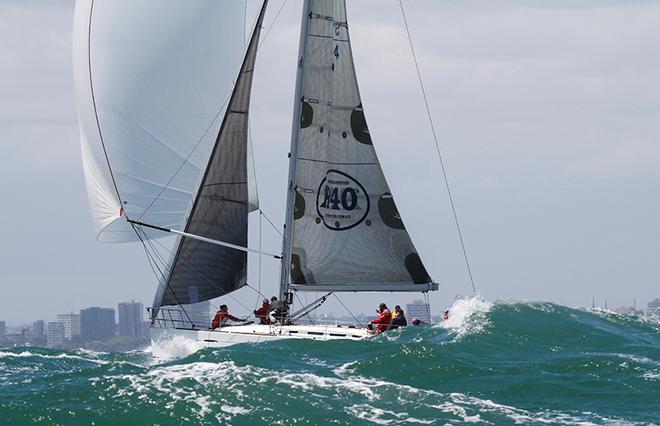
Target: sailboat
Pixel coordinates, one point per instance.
(166, 152)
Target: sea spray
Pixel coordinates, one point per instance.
(490, 362)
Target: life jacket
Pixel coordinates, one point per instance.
(395, 314)
(383, 321)
(262, 313)
(399, 320)
(221, 318)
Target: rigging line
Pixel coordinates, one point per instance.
(256, 291)
(201, 275)
(91, 89)
(184, 162)
(160, 257)
(245, 23)
(215, 118)
(256, 305)
(271, 223)
(437, 147)
(427, 301)
(165, 264)
(166, 267)
(348, 310)
(306, 313)
(277, 15)
(167, 286)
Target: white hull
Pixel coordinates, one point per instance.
(164, 341)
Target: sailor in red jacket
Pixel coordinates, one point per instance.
(383, 320)
(262, 313)
(222, 316)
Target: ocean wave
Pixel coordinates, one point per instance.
(361, 398)
(498, 362)
(467, 316)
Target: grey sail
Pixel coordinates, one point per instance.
(201, 271)
(347, 234)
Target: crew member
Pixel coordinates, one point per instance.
(383, 320)
(222, 316)
(398, 318)
(262, 313)
(417, 321)
(278, 311)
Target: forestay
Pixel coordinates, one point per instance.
(347, 232)
(151, 78)
(200, 270)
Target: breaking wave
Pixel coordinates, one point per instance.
(490, 363)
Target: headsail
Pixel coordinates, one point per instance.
(151, 77)
(202, 271)
(347, 234)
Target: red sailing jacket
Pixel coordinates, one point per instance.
(221, 318)
(383, 321)
(262, 313)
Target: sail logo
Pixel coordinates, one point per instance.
(341, 201)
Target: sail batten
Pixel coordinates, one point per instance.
(220, 209)
(346, 232)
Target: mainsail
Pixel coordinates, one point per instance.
(199, 270)
(346, 232)
(151, 79)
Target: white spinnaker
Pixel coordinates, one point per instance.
(151, 79)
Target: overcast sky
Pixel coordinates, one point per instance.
(547, 112)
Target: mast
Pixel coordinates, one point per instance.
(293, 154)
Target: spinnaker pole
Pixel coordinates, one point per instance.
(204, 239)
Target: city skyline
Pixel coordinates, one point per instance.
(598, 303)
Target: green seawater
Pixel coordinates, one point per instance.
(490, 363)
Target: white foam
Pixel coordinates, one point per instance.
(175, 347)
(467, 316)
(190, 383)
(234, 410)
(381, 416)
(639, 359)
(28, 354)
(652, 375)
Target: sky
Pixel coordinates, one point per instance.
(547, 114)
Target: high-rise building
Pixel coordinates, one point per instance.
(39, 329)
(3, 328)
(131, 317)
(71, 323)
(39, 333)
(55, 336)
(420, 310)
(97, 323)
